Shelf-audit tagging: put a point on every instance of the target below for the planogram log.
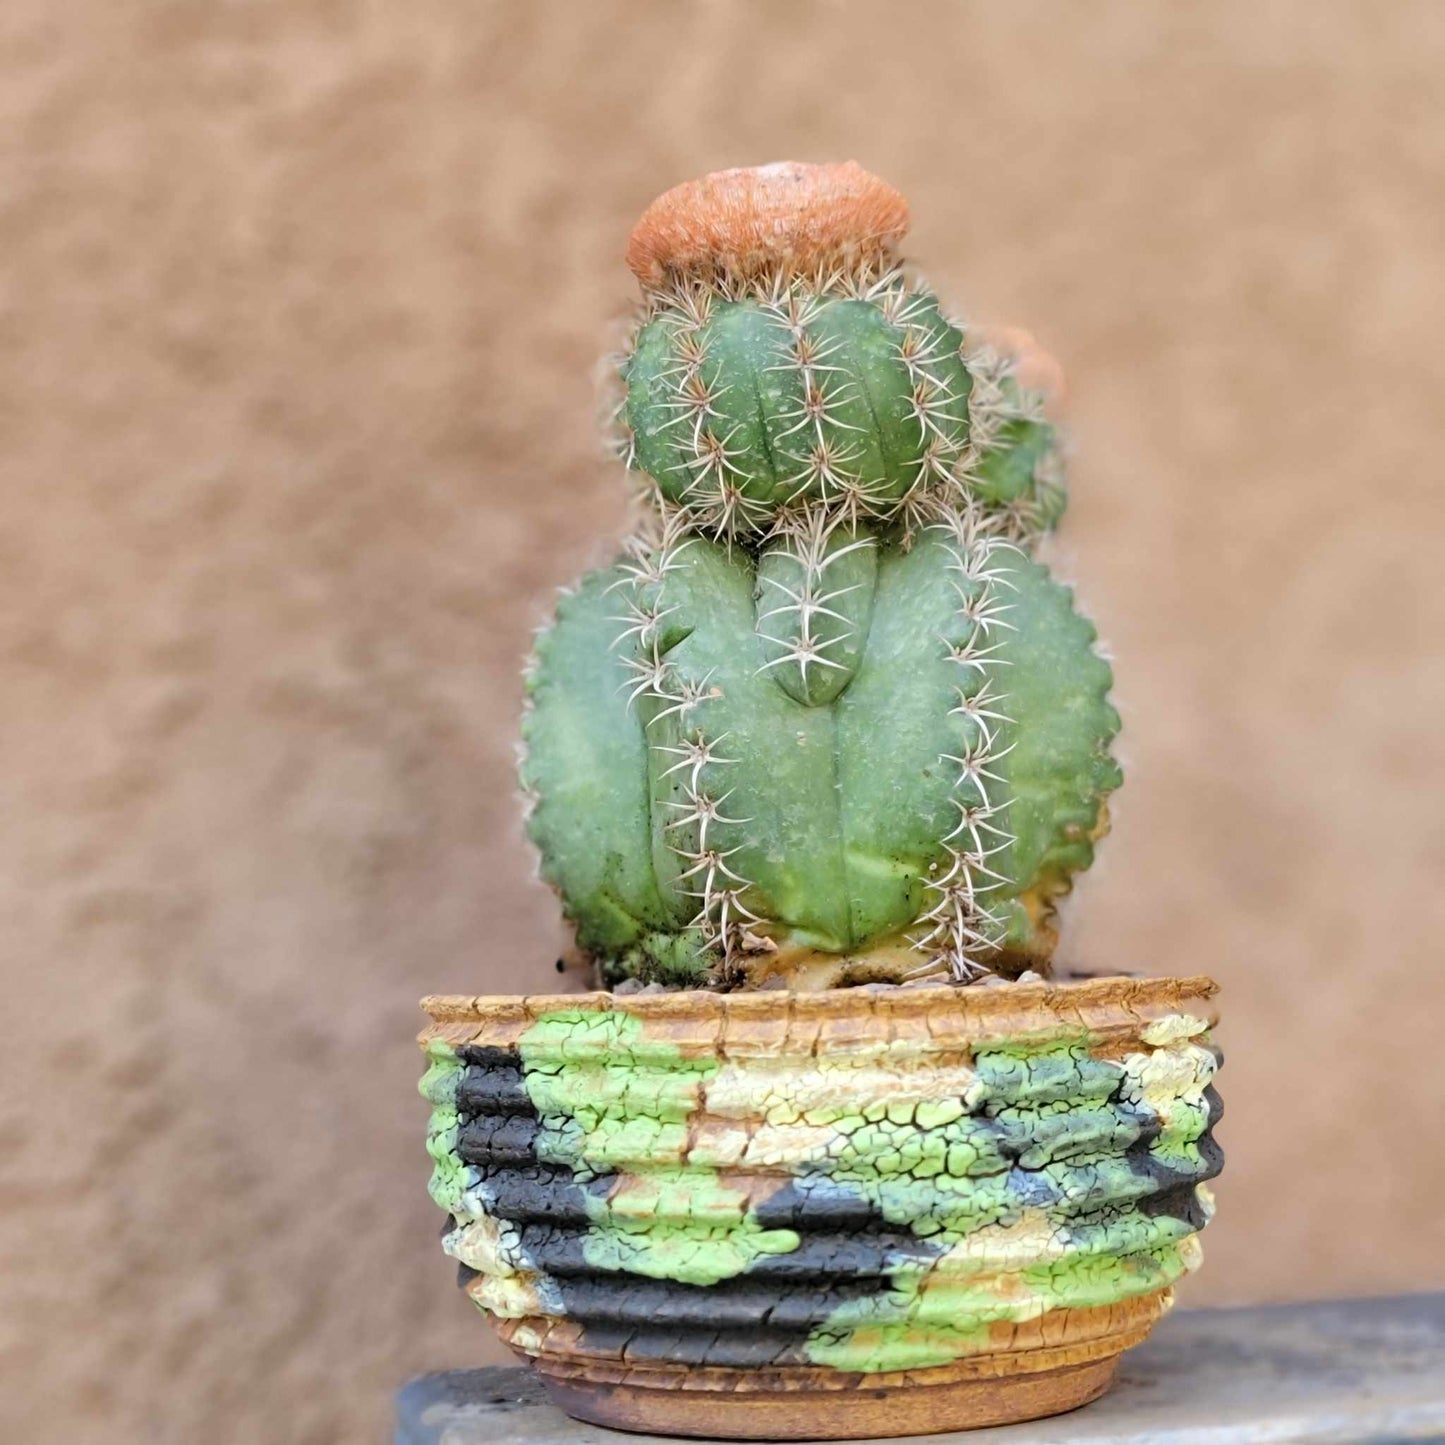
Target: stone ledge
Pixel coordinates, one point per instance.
(1341, 1372)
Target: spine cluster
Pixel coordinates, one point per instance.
(703, 872)
(815, 582)
(959, 925)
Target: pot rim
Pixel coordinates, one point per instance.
(1113, 995)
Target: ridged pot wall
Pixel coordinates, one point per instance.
(673, 1199)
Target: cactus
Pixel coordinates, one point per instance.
(828, 719)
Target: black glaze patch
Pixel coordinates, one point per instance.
(822, 1256)
(493, 1082)
(492, 1140)
(1181, 1202)
(1173, 1193)
(543, 1194)
(497, 1130)
(743, 1302)
(813, 1203)
(737, 1322)
(739, 1349)
(818, 1259)
(840, 1231)
(760, 1317)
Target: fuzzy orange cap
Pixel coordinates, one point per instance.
(789, 213)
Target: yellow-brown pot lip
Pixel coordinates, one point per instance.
(1117, 994)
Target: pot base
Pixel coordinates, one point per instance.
(857, 1414)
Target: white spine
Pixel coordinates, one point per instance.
(960, 929)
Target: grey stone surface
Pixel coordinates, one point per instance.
(1348, 1372)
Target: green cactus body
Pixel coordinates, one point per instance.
(858, 397)
(829, 719)
(926, 752)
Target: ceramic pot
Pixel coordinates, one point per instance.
(828, 1215)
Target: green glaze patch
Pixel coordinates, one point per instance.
(1030, 1195)
(683, 1225)
(613, 1100)
(450, 1177)
(883, 1333)
(609, 1098)
(939, 1313)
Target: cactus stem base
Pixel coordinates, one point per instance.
(895, 960)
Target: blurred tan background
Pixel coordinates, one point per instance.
(301, 300)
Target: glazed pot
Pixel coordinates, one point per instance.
(829, 1215)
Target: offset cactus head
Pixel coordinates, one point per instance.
(827, 720)
(784, 361)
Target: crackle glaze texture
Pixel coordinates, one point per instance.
(867, 1185)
